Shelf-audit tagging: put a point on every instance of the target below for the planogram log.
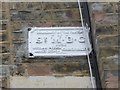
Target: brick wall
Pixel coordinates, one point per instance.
(105, 23)
(19, 15)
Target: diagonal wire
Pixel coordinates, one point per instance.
(88, 58)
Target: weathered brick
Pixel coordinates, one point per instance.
(108, 41)
(107, 30)
(105, 52)
(110, 63)
(111, 79)
(3, 15)
(106, 19)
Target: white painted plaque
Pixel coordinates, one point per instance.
(58, 41)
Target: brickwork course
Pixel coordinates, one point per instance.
(104, 17)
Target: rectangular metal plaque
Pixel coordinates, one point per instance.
(58, 41)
